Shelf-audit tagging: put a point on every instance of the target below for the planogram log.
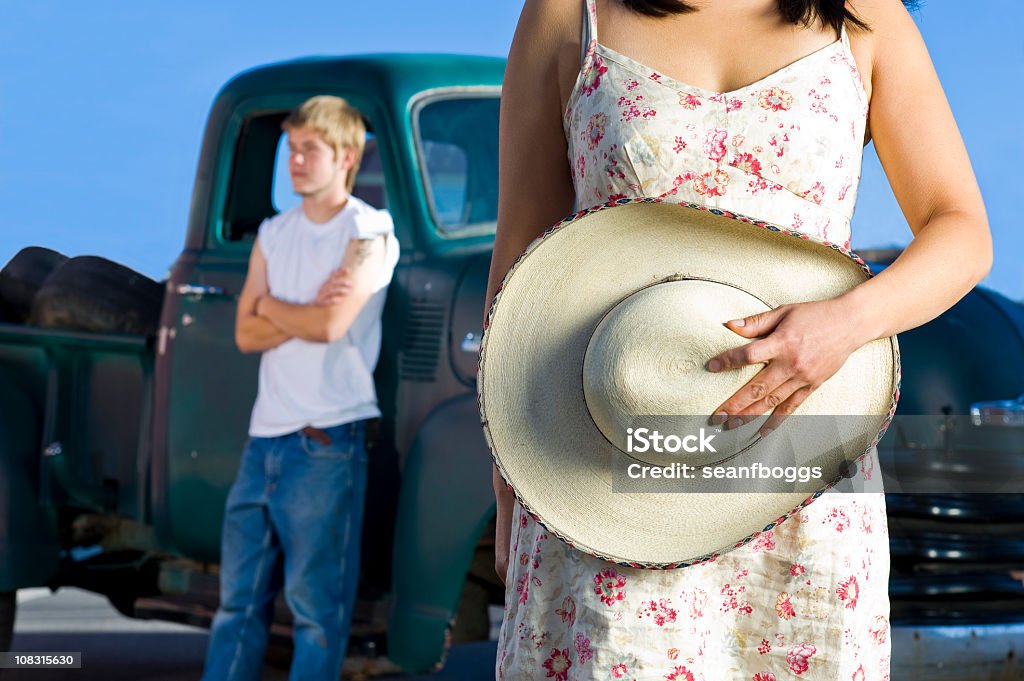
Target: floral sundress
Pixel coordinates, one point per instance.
(809, 599)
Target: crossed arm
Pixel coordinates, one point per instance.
(263, 322)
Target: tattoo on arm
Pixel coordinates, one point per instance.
(363, 250)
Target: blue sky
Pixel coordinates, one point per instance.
(102, 106)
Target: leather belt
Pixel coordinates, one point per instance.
(317, 435)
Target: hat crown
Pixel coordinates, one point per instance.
(645, 365)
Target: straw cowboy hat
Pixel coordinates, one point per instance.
(599, 337)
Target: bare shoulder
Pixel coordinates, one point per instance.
(890, 26)
(542, 66)
(550, 27)
(550, 12)
(547, 42)
(881, 14)
(546, 21)
(257, 260)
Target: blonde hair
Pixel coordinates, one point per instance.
(340, 124)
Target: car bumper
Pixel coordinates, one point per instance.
(977, 652)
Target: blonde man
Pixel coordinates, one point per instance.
(311, 304)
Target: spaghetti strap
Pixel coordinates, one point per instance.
(588, 30)
(851, 61)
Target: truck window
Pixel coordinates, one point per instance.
(457, 143)
(260, 186)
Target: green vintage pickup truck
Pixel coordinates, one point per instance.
(121, 429)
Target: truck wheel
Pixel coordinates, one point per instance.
(8, 605)
(88, 293)
(21, 278)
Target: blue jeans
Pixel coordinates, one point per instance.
(301, 502)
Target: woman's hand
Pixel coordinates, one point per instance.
(502, 540)
(803, 345)
(503, 523)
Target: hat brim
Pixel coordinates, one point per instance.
(533, 409)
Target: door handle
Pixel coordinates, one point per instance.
(201, 291)
(471, 343)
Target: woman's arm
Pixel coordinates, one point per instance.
(923, 155)
(534, 186)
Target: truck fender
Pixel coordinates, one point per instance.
(29, 543)
(445, 503)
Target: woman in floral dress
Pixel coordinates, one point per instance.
(738, 106)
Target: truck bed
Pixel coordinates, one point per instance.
(92, 395)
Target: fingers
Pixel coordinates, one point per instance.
(502, 546)
(501, 567)
(327, 301)
(342, 287)
(338, 276)
(782, 402)
(781, 386)
(333, 291)
(760, 324)
(774, 400)
(755, 352)
(332, 298)
(785, 409)
(765, 391)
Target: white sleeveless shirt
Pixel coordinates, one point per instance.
(320, 384)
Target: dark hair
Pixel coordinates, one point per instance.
(831, 13)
